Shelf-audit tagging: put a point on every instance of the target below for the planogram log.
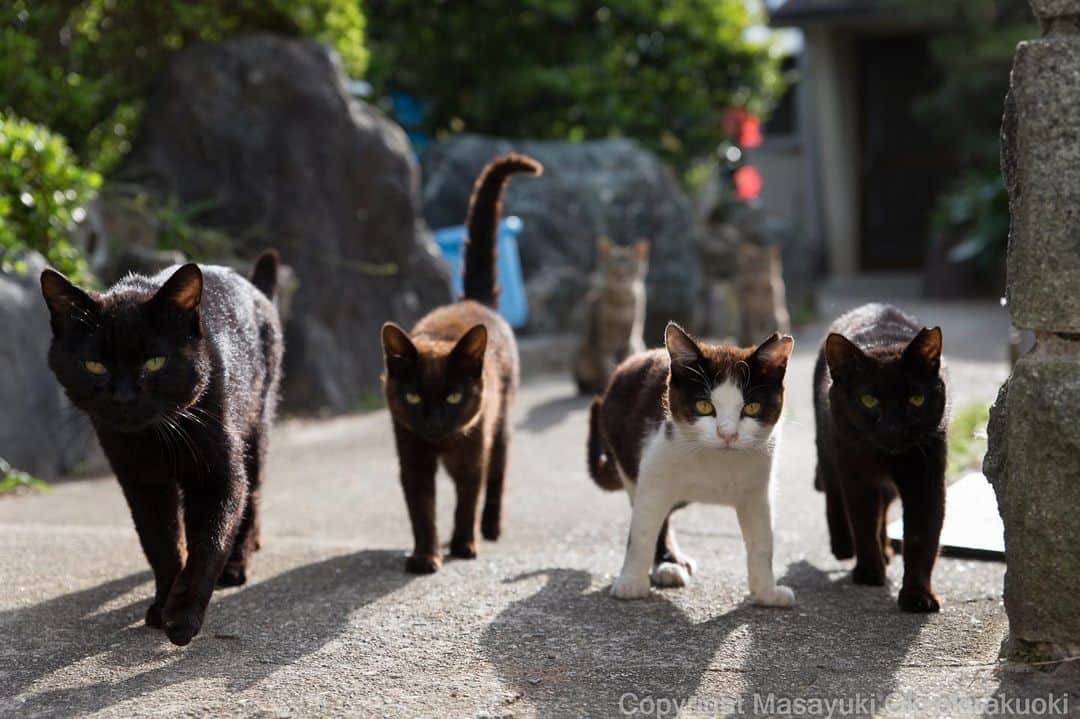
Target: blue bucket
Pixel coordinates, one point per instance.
(512, 303)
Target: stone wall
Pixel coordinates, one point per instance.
(1034, 456)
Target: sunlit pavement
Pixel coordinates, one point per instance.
(330, 623)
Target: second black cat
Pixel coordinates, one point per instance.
(178, 374)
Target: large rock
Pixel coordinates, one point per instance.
(40, 432)
(610, 188)
(261, 133)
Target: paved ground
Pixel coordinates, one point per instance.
(331, 624)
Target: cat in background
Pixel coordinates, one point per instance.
(449, 384)
(614, 314)
(692, 423)
(179, 375)
(881, 412)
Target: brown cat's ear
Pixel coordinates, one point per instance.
(183, 290)
(681, 348)
(925, 349)
(468, 354)
(604, 246)
(842, 356)
(63, 297)
(641, 250)
(774, 352)
(398, 349)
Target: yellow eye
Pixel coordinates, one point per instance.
(154, 364)
(703, 406)
(412, 398)
(94, 367)
(917, 400)
(453, 398)
(869, 401)
(751, 408)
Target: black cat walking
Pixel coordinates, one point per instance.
(179, 375)
(880, 405)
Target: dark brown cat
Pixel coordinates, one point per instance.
(449, 384)
(880, 405)
(178, 373)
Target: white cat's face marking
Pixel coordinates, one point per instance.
(730, 427)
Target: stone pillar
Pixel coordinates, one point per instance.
(1034, 455)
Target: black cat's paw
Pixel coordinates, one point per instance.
(422, 564)
(868, 576)
(842, 550)
(490, 527)
(463, 550)
(153, 615)
(233, 575)
(181, 625)
(918, 600)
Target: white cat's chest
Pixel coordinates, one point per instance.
(707, 475)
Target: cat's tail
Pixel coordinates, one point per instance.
(484, 209)
(601, 463)
(265, 274)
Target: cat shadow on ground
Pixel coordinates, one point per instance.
(549, 413)
(573, 649)
(249, 633)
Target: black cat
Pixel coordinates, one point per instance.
(179, 376)
(880, 405)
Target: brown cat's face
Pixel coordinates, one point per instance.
(434, 388)
(623, 264)
(894, 398)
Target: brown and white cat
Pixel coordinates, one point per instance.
(881, 410)
(692, 423)
(449, 384)
(614, 314)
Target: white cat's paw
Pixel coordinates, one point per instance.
(630, 587)
(776, 597)
(669, 574)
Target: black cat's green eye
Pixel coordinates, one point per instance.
(869, 401)
(453, 398)
(412, 398)
(94, 368)
(154, 364)
(917, 400)
(703, 406)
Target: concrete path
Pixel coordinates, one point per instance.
(331, 625)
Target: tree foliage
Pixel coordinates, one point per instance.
(660, 71)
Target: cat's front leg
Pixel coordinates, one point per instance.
(922, 492)
(155, 507)
(213, 507)
(419, 462)
(651, 507)
(755, 521)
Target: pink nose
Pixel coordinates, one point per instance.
(728, 437)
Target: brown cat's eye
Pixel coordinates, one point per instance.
(869, 401)
(94, 368)
(751, 409)
(412, 398)
(917, 400)
(704, 406)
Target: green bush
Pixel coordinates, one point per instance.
(42, 190)
(81, 66)
(659, 71)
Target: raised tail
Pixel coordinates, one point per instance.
(265, 273)
(484, 210)
(601, 463)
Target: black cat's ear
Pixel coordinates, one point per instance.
(468, 354)
(925, 350)
(681, 348)
(842, 356)
(773, 353)
(63, 297)
(183, 290)
(399, 350)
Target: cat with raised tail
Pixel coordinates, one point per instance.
(449, 384)
(881, 410)
(692, 423)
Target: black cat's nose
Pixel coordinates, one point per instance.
(124, 393)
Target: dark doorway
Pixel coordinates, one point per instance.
(903, 167)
